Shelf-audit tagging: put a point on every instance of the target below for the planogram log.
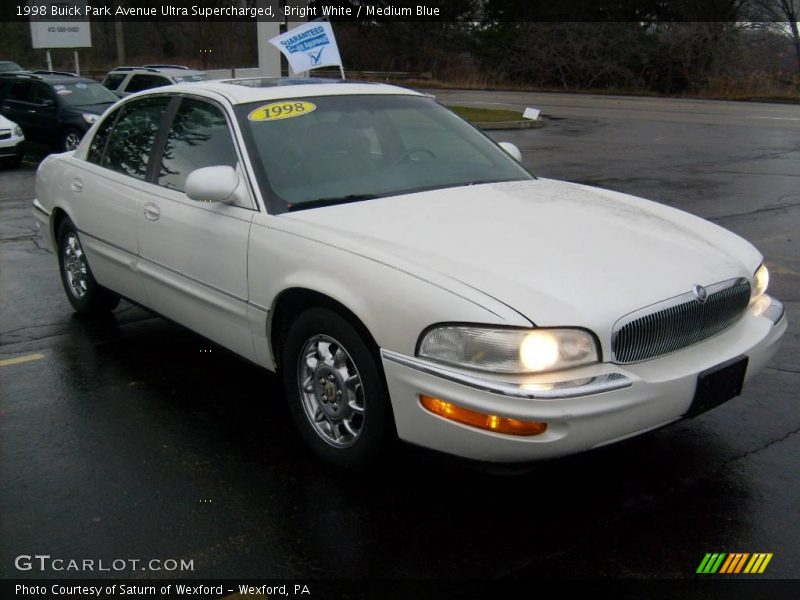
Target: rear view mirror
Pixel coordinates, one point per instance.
(212, 184)
(511, 150)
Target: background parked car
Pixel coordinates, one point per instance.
(12, 142)
(53, 109)
(7, 66)
(127, 80)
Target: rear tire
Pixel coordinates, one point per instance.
(336, 391)
(84, 293)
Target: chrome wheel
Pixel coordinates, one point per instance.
(331, 391)
(71, 141)
(75, 267)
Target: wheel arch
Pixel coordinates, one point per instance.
(56, 218)
(292, 302)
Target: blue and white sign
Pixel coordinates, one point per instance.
(309, 46)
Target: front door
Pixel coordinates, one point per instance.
(194, 254)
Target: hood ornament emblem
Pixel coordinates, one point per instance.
(700, 293)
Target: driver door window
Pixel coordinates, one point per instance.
(199, 137)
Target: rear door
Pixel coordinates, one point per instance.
(106, 192)
(194, 254)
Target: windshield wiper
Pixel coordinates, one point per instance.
(331, 201)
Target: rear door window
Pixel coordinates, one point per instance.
(131, 141)
(21, 90)
(98, 146)
(145, 82)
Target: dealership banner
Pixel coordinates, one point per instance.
(309, 46)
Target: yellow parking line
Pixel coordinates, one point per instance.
(20, 359)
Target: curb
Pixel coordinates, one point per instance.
(528, 124)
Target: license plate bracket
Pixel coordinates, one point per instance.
(717, 385)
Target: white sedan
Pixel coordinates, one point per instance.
(404, 274)
(12, 143)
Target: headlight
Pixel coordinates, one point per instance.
(508, 350)
(90, 117)
(18, 131)
(760, 283)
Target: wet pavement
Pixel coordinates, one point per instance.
(132, 437)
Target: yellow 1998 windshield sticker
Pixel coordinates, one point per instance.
(286, 109)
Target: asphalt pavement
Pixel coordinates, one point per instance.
(132, 437)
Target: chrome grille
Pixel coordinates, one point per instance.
(679, 322)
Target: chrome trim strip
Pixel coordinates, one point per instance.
(563, 389)
(39, 207)
(192, 279)
(184, 275)
(258, 307)
(107, 243)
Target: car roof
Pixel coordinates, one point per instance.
(175, 71)
(242, 91)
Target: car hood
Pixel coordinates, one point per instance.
(6, 124)
(560, 254)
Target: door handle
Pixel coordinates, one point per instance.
(76, 185)
(151, 211)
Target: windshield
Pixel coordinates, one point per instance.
(324, 150)
(83, 93)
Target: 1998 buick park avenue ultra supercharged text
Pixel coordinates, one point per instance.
(404, 274)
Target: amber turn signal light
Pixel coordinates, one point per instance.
(459, 414)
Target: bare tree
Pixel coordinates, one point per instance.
(785, 12)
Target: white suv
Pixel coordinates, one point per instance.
(124, 81)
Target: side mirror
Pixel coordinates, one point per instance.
(212, 184)
(49, 103)
(511, 150)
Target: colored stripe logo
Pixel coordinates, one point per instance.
(734, 563)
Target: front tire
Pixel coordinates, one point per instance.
(336, 390)
(84, 293)
(70, 140)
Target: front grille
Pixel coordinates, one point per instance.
(4, 135)
(679, 322)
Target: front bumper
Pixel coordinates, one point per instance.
(590, 407)
(13, 147)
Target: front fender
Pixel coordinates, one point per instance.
(394, 305)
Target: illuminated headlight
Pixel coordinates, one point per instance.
(760, 283)
(18, 131)
(90, 117)
(508, 350)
